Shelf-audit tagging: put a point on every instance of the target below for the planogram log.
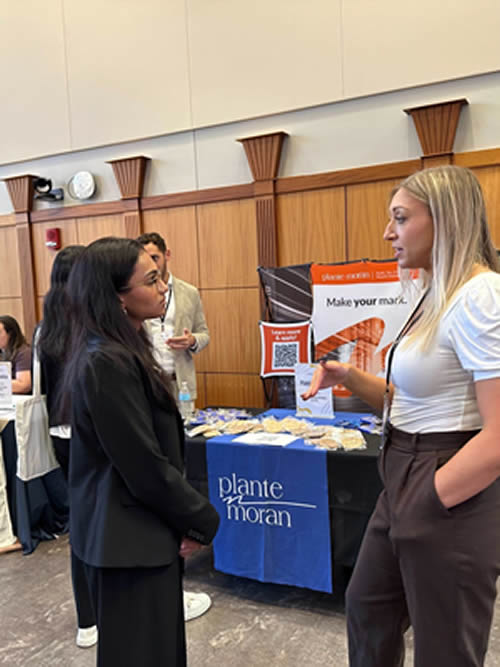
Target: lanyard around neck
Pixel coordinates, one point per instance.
(169, 298)
(416, 314)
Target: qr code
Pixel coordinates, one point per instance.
(285, 355)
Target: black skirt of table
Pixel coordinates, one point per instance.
(353, 488)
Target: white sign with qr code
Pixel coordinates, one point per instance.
(285, 355)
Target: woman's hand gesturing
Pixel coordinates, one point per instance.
(328, 374)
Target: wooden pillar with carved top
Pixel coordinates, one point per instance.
(436, 126)
(130, 174)
(263, 155)
(20, 189)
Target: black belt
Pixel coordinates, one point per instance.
(429, 441)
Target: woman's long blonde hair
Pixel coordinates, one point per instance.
(461, 238)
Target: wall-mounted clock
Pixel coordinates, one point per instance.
(81, 185)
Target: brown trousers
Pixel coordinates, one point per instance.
(423, 565)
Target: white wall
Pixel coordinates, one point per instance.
(354, 133)
(76, 75)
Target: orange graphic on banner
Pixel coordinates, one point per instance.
(355, 272)
(365, 337)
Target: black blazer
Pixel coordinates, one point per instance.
(130, 504)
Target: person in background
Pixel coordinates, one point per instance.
(14, 348)
(133, 517)
(53, 337)
(431, 552)
(177, 334)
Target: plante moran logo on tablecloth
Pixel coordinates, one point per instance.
(257, 501)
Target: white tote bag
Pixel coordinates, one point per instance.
(35, 453)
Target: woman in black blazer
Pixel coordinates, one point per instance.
(133, 515)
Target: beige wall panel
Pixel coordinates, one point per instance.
(232, 318)
(10, 277)
(90, 229)
(268, 57)
(14, 308)
(33, 80)
(367, 217)
(9, 219)
(201, 400)
(311, 227)
(489, 177)
(178, 227)
(414, 41)
(127, 69)
(228, 244)
(39, 308)
(231, 390)
(43, 256)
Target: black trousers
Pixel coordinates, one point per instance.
(84, 606)
(140, 616)
(423, 565)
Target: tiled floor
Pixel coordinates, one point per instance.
(250, 624)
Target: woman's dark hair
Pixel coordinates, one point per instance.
(15, 335)
(100, 273)
(54, 334)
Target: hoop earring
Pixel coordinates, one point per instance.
(124, 310)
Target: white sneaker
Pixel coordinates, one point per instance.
(195, 604)
(86, 637)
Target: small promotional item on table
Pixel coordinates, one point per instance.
(320, 405)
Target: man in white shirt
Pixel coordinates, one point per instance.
(180, 333)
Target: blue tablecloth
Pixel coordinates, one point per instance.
(277, 533)
(273, 504)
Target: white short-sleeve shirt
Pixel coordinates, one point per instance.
(434, 390)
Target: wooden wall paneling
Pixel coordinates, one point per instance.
(333, 179)
(489, 177)
(26, 264)
(437, 161)
(201, 401)
(43, 257)
(488, 157)
(10, 283)
(311, 227)
(228, 244)
(130, 174)
(13, 307)
(90, 229)
(132, 224)
(97, 210)
(39, 307)
(233, 390)
(8, 220)
(178, 227)
(367, 217)
(436, 125)
(232, 317)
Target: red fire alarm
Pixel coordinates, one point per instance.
(53, 238)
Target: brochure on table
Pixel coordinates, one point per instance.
(5, 385)
(320, 405)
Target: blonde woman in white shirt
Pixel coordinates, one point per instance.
(430, 557)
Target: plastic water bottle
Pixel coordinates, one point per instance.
(186, 405)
